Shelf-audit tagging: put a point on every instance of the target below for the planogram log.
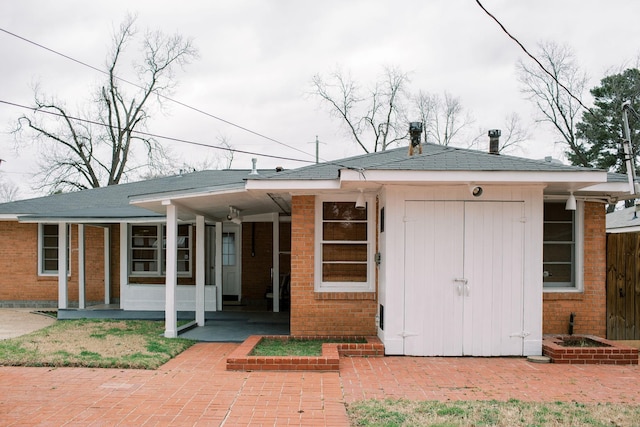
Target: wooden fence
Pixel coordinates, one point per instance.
(623, 286)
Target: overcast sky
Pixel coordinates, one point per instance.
(257, 59)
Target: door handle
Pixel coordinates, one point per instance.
(461, 285)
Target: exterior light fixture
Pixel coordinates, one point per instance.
(476, 190)
(571, 203)
(360, 202)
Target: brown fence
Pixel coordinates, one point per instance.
(623, 286)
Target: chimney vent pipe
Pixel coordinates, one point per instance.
(494, 141)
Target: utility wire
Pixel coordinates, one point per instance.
(152, 135)
(534, 58)
(55, 52)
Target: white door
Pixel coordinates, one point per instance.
(231, 261)
(463, 278)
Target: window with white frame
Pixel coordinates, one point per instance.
(344, 246)
(148, 257)
(48, 249)
(561, 247)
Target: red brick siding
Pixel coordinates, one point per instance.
(314, 313)
(590, 305)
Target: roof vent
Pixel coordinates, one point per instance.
(415, 132)
(279, 168)
(494, 141)
(254, 169)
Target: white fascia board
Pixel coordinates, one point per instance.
(505, 177)
(9, 217)
(608, 187)
(179, 195)
(292, 184)
(619, 230)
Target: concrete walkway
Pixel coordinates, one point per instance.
(195, 389)
(19, 321)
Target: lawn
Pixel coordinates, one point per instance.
(97, 343)
(295, 347)
(490, 413)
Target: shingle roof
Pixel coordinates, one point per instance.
(113, 201)
(433, 158)
(623, 218)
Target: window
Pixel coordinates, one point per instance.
(344, 248)
(48, 249)
(228, 249)
(561, 244)
(146, 257)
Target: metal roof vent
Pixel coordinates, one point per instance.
(415, 132)
(254, 169)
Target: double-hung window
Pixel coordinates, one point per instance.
(561, 247)
(344, 246)
(48, 249)
(148, 257)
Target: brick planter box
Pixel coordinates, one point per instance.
(608, 352)
(240, 359)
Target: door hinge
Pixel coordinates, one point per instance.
(523, 219)
(408, 334)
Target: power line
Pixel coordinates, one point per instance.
(55, 52)
(152, 135)
(534, 58)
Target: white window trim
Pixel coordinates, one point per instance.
(51, 273)
(578, 268)
(369, 285)
(160, 272)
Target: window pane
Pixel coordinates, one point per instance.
(557, 252)
(338, 252)
(557, 273)
(51, 264)
(228, 249)
(344, 272)
(344, 231)
(343, 211)
(557, 212)
(562, 232)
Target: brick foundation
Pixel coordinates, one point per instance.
(610, 353)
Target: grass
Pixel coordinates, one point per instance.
(96, 343)
(294, 346)
(490, 413)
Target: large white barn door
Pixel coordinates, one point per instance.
(463, 278)
(433, 260)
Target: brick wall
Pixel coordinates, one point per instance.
(326, 313)
(19, 265)
(590, 305)
(257, 258)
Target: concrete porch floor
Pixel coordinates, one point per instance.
(229, 325)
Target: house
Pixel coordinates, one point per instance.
(623, 278)
(446, 252)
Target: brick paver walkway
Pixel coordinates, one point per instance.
(195, 389)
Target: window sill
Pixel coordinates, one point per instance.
(344, 295)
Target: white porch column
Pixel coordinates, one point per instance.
(171, 283)
(63, 255)
(124, 262)
(82, 300)
(107, 265)
(276, 262)
(218, 266)
(200, 269)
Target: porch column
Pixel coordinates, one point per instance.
(200, 270)
(82, 300)
(171, 283)
(63, 255)
(276, 262)
(124, 263)
(107, 264)
(218, 266)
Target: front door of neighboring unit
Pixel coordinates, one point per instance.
(463, 291)
(231, 262)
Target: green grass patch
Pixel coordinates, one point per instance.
(295, 346)
(393, 412)
(98, 343)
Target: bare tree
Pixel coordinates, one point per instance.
(100, 148)
(513, 135)
(9, 192)
(444, 117)
(376, 115)
(554, 103)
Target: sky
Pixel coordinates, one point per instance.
(257, 59)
